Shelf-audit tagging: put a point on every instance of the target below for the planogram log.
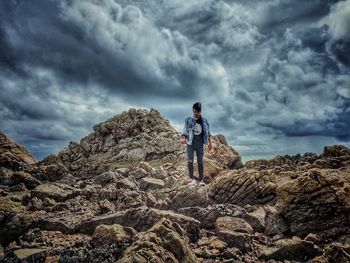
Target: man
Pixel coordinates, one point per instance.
(197, 133)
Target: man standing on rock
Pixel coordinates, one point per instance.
(197, 133)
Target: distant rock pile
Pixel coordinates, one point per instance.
(120, 195)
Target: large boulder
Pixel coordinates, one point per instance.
(290, 249)
(187, 196)
(333, 156)
(109, 234)
(12, 155)
(10, 178)
(245, 186)
(235, 232)
(164, 242)
(207, 215)
(56, 191)
(15, 220)
(141, 219)
(316, 202)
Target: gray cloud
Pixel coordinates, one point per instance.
(273, 76)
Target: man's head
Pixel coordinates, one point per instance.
(196, 108)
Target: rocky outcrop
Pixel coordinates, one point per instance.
(12, 155)
(55, 191)
(242, 187)
(291, 249)
(15, 220)
(334, 156)
(317, 202)
(164, 242)
(120, 194)
(141, 219)
(109, 234)
(133, 135)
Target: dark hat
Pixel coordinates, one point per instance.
(197, 106)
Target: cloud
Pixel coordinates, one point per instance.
(339, 20)
(272, 76)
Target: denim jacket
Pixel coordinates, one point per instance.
(188, 129)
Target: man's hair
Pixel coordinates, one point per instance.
(197, 106)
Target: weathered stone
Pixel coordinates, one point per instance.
(291, 249)
(148, 183)
(57, 191)
(317, 202)
(188, 196)
(163, 242)
(208, 215)
(243, 187)
(108, 234)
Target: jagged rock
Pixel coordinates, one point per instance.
(256, 219)
(56, 191)
(147, 167)
(127, 183)
(62, 224)
(163, 242)
(108, 234)
(209, 247)
(141, 219)
(68, 179)
(235, 232)
(148, 183)
(243, 187)
(134, 135)
(277, 161)
(233, 224)
(274, 223)
(14, 220)
(50, 172)
(224, 155)
(30, 254)
(317, 202)
(208, 215)
(160, 173)
(334, 252)
(35, 204)
(186, 196)
(12, 155)
(106, 206)
(11, 178)
(107, 177)
(242, 241)
(333, 156)
(291, 249)
(212, 169)
(138, 173)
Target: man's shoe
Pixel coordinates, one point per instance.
(192, 182)
(202, 183)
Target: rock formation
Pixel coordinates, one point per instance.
(120, 195)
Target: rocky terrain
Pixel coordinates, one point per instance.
(119, 195)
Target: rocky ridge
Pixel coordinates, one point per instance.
(119, 195)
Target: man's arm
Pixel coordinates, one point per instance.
(184, 129)
(208, 131)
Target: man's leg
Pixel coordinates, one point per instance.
(190, 153)
(200, 153)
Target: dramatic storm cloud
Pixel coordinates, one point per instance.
(273, 76)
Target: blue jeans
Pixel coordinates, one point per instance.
(199, 148)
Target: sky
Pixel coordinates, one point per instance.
(273, 76)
